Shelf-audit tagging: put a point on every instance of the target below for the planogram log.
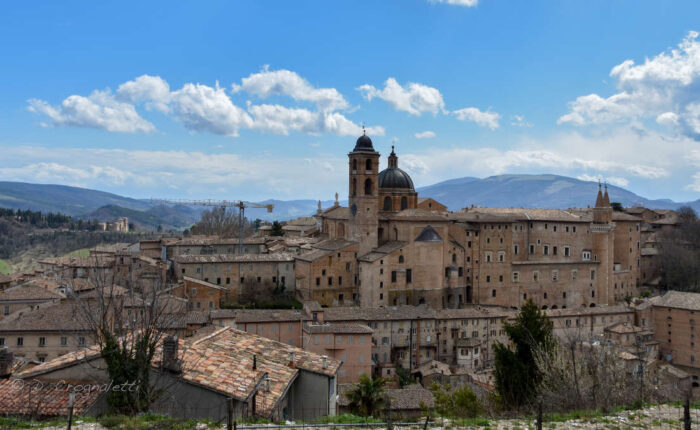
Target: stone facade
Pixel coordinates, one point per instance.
(411, 253)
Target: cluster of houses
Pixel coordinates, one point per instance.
(391, 284)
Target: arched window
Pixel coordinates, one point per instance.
(400, 258)
(404, 203)
(354, 164)
(387, 203)
(396, 234)
(354, 186)
(368, 164)
(368, 187)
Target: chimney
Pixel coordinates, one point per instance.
(255, 362)
(291, 358)
(170, 360)
(325, 362)
(6, 359)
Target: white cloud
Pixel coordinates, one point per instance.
(694, 157)
(425, 135)
(281, 120)
(620, 182)
(414, 98)
(152, 90)
(695, 185)
(203, 108)
(484, 119)
(620, 156)
(668, 119)
(665, 88)
(467, 3)
(143, 173)
(519, 121)
(99, 110)
(285, 82)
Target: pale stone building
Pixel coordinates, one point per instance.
(411, 251)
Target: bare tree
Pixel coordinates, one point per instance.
(128, 328)
(679, 255)
(221, 222)
(585, 372)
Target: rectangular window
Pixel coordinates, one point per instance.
(493, 293)
(20, 341)
(81, 341)
(554, 250)
(555, 275)
(2, 341)
(515, 249)
(545, 250)
(516, 276)
(409, 276)
(393, 276)
(42, 341)
(532, 248)
(318, 281)
(64, 341)
(330, 281)
(567, 251)
(592, 274)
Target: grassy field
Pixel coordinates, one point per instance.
(5, 267)
(85, 252)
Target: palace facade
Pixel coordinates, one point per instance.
(390, 248)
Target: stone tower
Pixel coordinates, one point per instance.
(603, 240)
(363, 198)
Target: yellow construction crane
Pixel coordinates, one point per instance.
(240, 204)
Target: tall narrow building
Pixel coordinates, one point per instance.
(364, 194)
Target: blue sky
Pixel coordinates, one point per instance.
(264, 99)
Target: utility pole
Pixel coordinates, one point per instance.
(71, 402)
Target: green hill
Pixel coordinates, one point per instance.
(60, 198)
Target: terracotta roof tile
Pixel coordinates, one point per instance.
(29, 292)
(235, 258)
(344, 328)
(43, 398)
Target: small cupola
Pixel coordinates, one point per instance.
(393, 159)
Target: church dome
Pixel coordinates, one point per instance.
(364, 143)
(393, 177)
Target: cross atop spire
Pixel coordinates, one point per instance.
(364, 133)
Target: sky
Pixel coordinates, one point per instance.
(264, 99)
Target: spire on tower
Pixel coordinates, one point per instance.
(606, 197)
(599, 203)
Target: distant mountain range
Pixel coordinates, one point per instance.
(508, 191)
(534, 191)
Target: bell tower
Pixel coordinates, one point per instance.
(363, 198)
